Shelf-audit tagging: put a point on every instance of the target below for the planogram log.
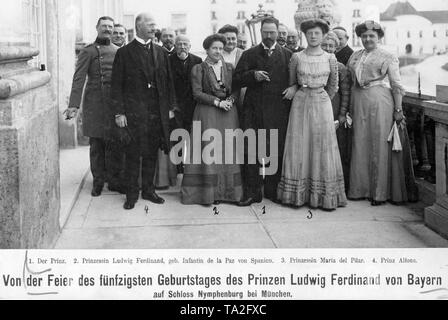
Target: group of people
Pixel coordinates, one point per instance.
(331, 109)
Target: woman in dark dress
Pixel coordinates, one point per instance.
(213, 180)
(340, 102)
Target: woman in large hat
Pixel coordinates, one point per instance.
(312, 172)
(378, 173)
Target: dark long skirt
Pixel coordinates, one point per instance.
(206, 183)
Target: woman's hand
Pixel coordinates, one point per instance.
(289, 93)
(225, 105)
(398, 116)
(337, 124)
(70, 113)
(342, 119)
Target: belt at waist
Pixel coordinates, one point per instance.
(374, 84)
(304, 86)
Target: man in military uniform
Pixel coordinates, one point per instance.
(95, 64)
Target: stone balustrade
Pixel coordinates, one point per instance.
(436, 216)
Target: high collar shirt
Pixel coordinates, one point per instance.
(271, 48)
(217, 68)
(230, 57)
(143, 42)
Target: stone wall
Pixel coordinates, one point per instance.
(29, 154)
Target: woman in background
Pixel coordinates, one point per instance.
(340, 104)
(231, 53)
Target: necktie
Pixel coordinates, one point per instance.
(269, 52)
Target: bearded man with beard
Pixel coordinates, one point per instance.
(282, 34)
(264, 70)
(182, 61)
(181, 64)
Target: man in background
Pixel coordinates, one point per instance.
(167, 37)
(242, 41)
(292, 41)
(344, 52)
(282, 34)
(181, 64)
(119, 35)
(182, 61)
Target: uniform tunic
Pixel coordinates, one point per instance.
(94, 64)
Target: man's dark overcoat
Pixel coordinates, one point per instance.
(130, 81)
(344, 55)
(264, 106)
(182, 84)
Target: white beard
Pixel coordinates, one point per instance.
(183, 55)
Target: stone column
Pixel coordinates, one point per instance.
(436, 217)
(61, 19)
(29, 153)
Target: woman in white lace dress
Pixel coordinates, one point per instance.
(312, 171)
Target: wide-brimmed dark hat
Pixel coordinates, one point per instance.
(313, 23)
(369, 25)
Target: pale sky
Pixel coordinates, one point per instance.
(421, 5)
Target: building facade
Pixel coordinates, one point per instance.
(37, 62)
(409, 31)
